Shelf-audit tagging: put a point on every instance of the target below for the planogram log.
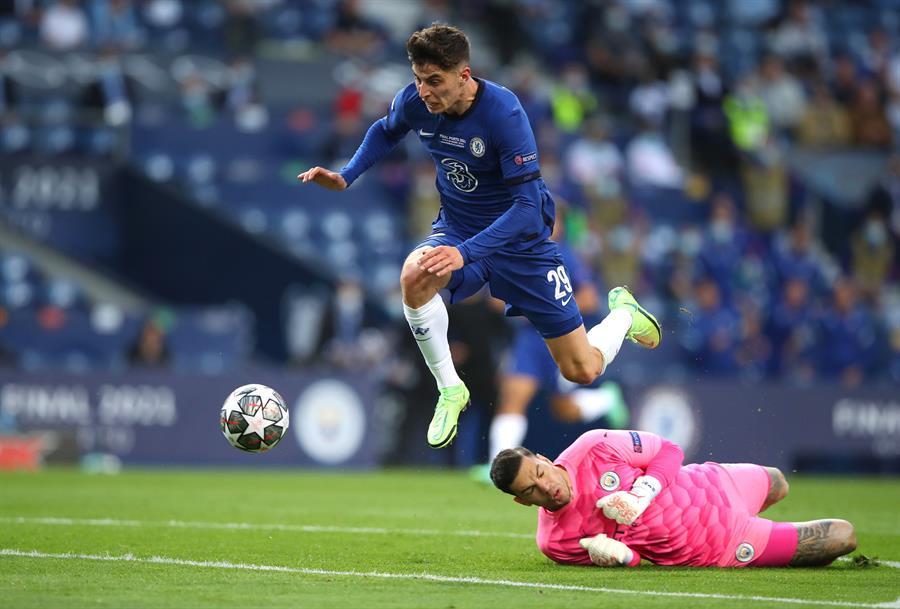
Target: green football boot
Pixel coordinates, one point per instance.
(453, 401)
(644, 330)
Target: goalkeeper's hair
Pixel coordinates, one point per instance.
(506, 466)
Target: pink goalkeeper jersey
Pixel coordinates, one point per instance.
(698, 518)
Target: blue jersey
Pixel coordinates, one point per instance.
(488, 176)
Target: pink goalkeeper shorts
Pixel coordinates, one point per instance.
(757, 542)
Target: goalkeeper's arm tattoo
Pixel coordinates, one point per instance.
(819, 542)
(778, 488)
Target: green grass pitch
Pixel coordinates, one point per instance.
(220, 538)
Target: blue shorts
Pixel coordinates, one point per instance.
(533, 283)
(529, 356)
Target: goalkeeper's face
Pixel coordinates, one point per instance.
(541, 483)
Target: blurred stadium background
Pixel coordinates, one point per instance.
(735, 162)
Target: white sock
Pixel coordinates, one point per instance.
(594, 402)
(507, 431)
(607, 336)
(429, 327)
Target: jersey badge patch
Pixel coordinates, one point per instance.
(609, 481)
(521, 160)
(636, 442)
(744, 552)
(476, 146)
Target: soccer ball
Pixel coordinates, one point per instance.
(254, 418)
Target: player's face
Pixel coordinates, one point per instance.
(441, 90)
(541, 483)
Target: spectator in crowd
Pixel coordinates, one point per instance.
(845, 78)
(347, 124)
(619, 258)
(797, 254)
(782, 94)
(200, 99)
(345, 323)
(766, 183)
(799, 36)
(876, 55)
(725, 244)
(712, 336)
(650, 160)
(847, 336)
(791, 329)
(825, 123)
(873, 251)
(571, 99)
(595, 163)
(710, 144)
(754, 350)
(870, 124)
(150, 350)
(649, 100)
(749, 124)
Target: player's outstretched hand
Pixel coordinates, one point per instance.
(606, 552)
(626, 506)
(441, 260)
(324, 178)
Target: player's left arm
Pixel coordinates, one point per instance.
(516, 222)
(659, 458)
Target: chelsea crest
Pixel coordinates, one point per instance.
(476, 146)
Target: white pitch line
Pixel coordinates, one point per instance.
(444, 579)
(296, 528)
(243, 526)
(887, 563)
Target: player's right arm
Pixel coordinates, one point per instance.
(381, 138)
(331, 180)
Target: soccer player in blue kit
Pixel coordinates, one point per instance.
(494, 225)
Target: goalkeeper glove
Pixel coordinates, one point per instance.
(626, 506)
(605, 551)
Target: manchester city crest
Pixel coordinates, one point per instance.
(609, 481)
(744, 552)
(476, 146)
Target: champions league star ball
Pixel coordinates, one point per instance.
(254, 418)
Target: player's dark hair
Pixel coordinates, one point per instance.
(439, 45)
(506, 466)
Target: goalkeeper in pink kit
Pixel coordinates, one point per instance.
(615, 497)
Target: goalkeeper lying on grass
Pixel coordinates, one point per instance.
(615, 497)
